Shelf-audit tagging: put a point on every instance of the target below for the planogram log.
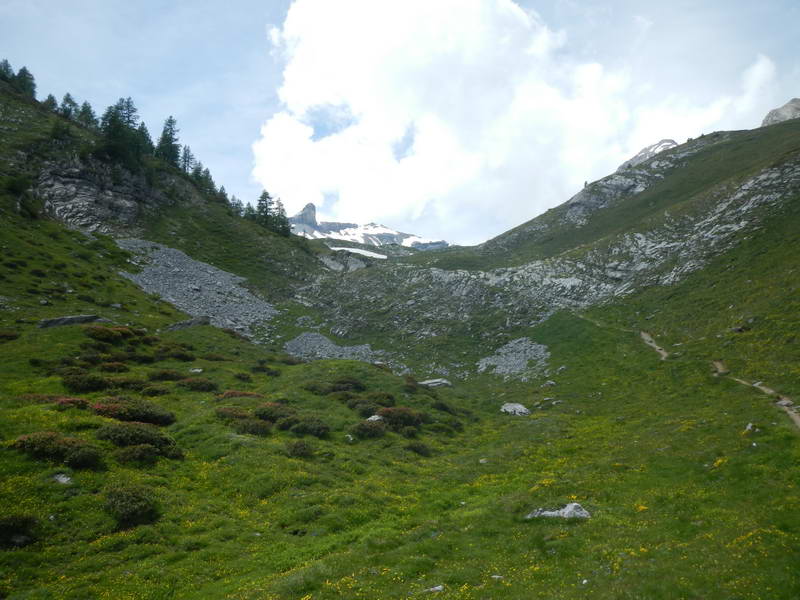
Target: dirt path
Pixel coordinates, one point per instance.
(648, 339)
(783, 402)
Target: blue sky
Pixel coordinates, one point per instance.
(453, 119)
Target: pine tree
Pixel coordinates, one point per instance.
(249, 213)
(24, 83)
(50, 103)
(6, 72)
(188, 160)
(86, 117)
(280, 222)
(237, 208)
(264, 208)
(222, 195)
(145, 141)
(69, 108)
(128, 112)
(120, 141)
(168, 148)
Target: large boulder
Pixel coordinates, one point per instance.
(573, 510)
(513, 408)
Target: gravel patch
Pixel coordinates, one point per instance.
(513, 360)
(196, 287)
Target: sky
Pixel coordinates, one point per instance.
(450, 119)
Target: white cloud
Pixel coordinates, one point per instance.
(504, 124)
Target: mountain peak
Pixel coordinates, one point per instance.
(790, 110)
(647, 153)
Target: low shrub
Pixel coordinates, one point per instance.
(78, 382)
(268, 371)
(233, 333)
(381, 398)
(318, 388)
(230, 413)
(243, 377)
(65, 402)
(411, 385)
(290, 360)
(238, 394)
(128, 383)
(286, 423)
(51, 445)
(181, 355)
(7, 335)
(17, 530)
(214, 357)
(409, 432)
(142, 454)
(343, 397)
(368, 429)
(310, 426)
(347, 384)
(398, 417)
(444, 407)
(419, 448)
(252, 427)
(133, 409)
(155, 390)
(108, 335)
(114, 367)
(273, 411)
(364, 408)
(299, 449)
(131, 505)
(132, 434)
(165, 375)
(198, 384)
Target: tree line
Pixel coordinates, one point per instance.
(125, 139)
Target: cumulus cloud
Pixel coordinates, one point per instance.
(457, 119)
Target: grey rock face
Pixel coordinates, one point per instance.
(573, 510)
(647, 153)
(70, 320)
(196, 287)
(790, 110)
(514, 358)
(514, 408)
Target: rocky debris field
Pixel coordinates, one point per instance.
(514, 359)
(315, 346)
(196, 287)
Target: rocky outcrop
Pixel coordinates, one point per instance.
(573, 510)
(521, 358)
(514, 408)
(70, 320)
(95, 197)
(790, 110)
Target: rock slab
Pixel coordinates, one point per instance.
(573, 510)
(513, 408)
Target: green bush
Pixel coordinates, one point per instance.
(198, 384)
(273, 411)
(251, 427)
(143, 454)
(133, 409)
(131, 505)
(133, 434)
(109, 335)
(368, 429)
(51, 445)
(299, 449)
(310, 426)
(419, 448)
(268, 371)
(155, 390)
(7, 335)
(243, 377)
(128, 383)
(114, 367)
(214, 357)
(381, 398)
(77, 382)
(64, 403)
(364, 407)
(17, 530)
(165, 375)
(286, 423)
(231, 413)
(401, 416)
(347, 384)
(318, 388)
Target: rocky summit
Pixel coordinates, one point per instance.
(790, 110)
(196, 403)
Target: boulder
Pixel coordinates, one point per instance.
(188, 323)
(513, 408)
(573, 510)
(375, 418)
(70, 320)
(434, 383)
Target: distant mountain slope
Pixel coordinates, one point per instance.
(305, 224)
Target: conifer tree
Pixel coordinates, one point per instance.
(145, 141)
(264, 208)
(86, 117)
(237, 208)
(24, 83)
(6, 72)
(50, 103)
(280, 222)
(188, 160)
(69, 108)
(168, 148)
